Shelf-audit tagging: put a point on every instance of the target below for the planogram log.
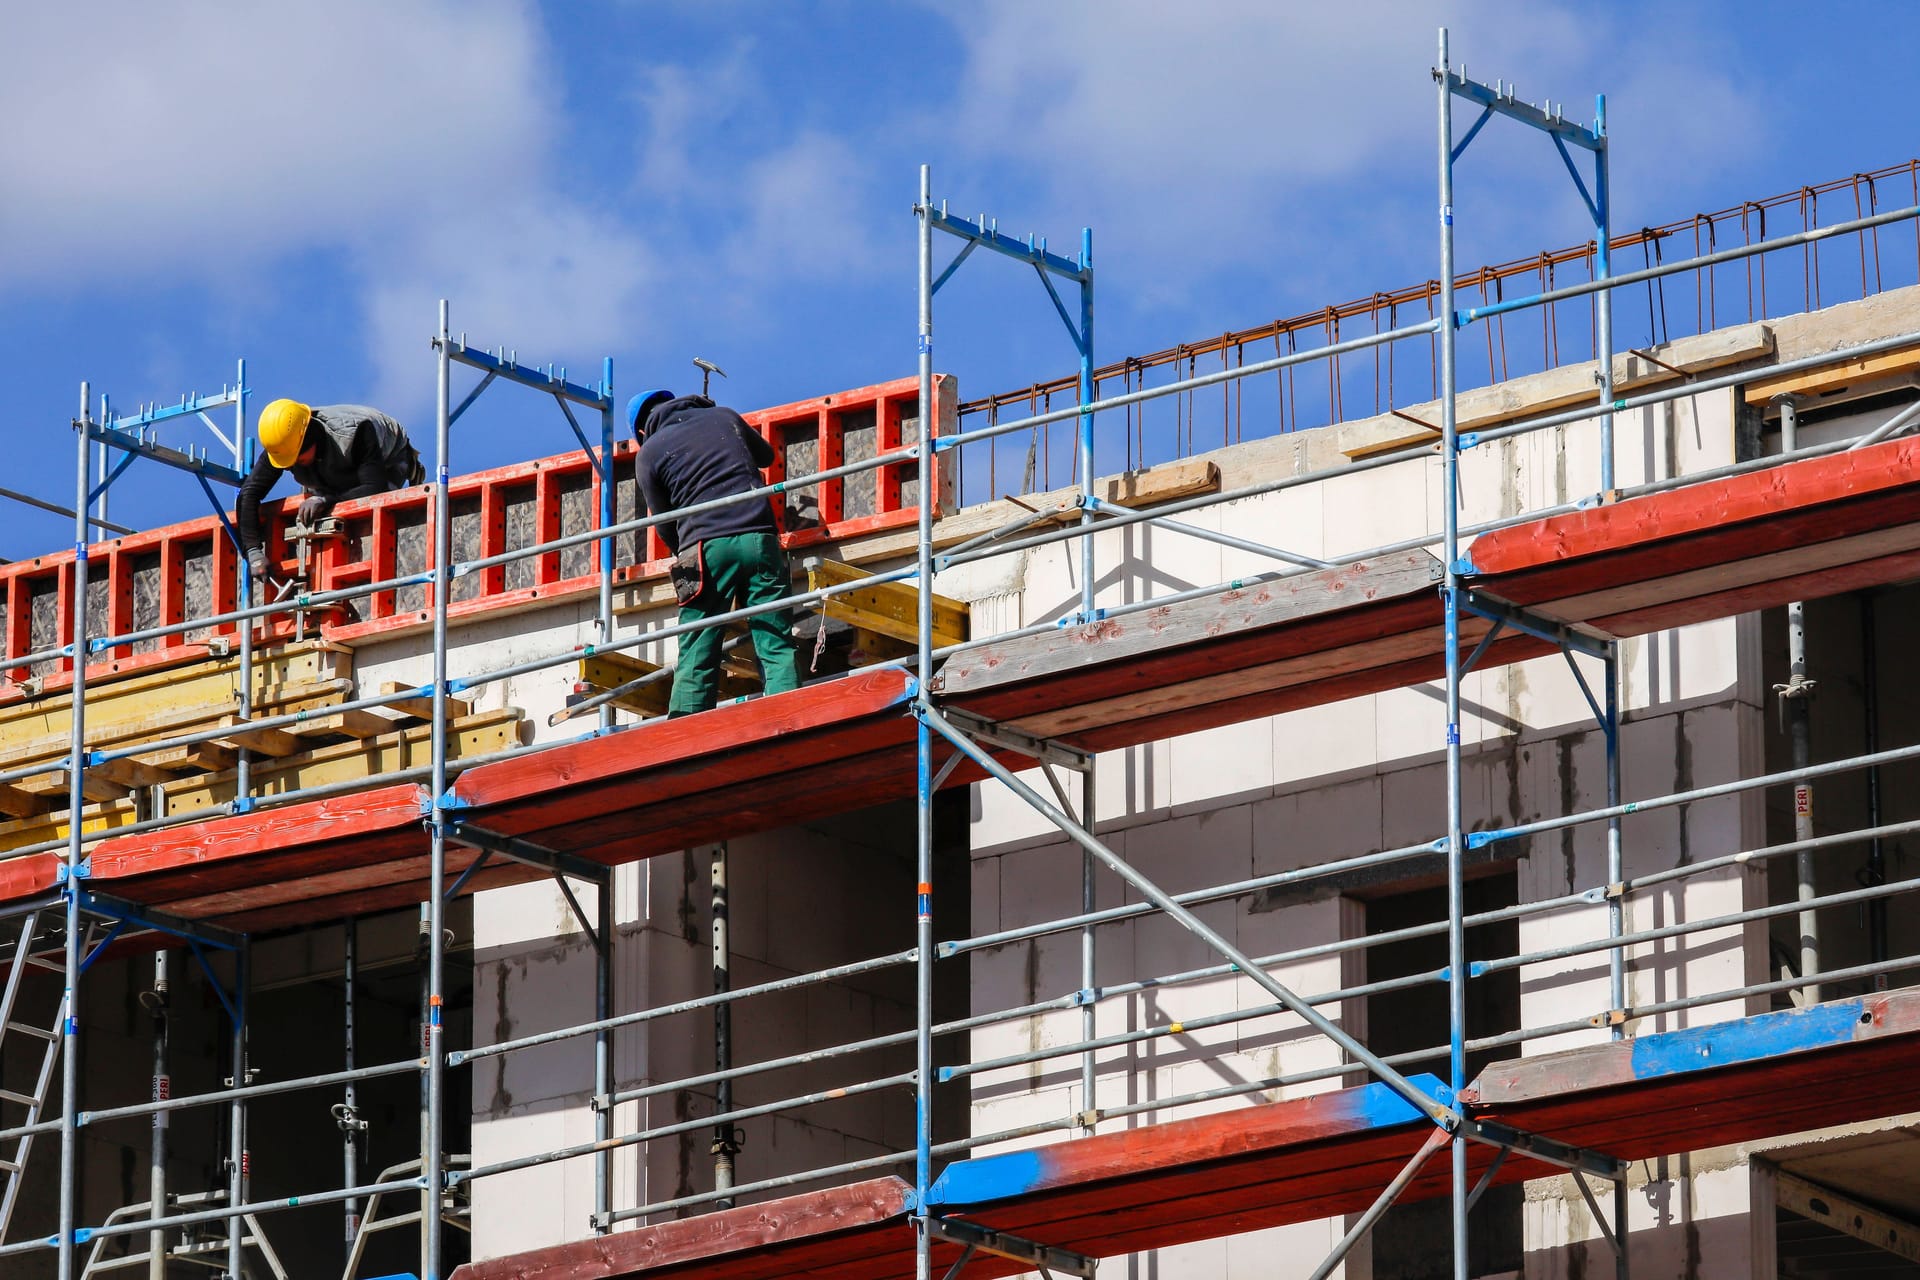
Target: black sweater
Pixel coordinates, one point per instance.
(358, 472)
(696, 451)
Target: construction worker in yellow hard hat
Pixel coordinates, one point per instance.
(335, 451)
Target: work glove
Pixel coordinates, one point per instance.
(313, 508)
(257, 564)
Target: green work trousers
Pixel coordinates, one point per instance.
(739, 569)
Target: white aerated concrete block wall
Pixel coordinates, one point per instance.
(1359, 776)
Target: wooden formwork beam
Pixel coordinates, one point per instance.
(885, 608)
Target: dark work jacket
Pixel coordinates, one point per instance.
(696, 451)
(357, 452)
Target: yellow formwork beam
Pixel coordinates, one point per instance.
(605, 671)
(53, 826)
(469, 736)
(886, 608)
(148, 694)
(166, 721)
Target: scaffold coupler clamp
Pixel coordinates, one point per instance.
(727, 1142)
(347, 1116)
(1796, 687)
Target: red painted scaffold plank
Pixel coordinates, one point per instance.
(1801, 530)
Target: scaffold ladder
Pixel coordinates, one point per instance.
(208, 1250)
(13, 1163)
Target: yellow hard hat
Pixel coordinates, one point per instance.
(283, 428)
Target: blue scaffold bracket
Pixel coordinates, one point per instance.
(1463, 565)
(1453, 734)
(913, 693)
(84, 871)
(1466, 440)
(923, 344)
(1079, 618)
(450, 802)
(243, 804)
(1481, 839)
(1086, 996)
(1475, 969)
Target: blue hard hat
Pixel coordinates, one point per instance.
(641, 405)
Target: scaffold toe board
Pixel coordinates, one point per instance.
(836, 1231)
(670, 784)
(1801, 530)
(1724, 1082)
(1253, 651)
(286, 860)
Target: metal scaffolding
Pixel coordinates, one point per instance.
(945, 740)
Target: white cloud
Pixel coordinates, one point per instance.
(1216, 137)
(175, 140)
(221, 142)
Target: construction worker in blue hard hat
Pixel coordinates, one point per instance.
(335, 451)
(694, 451)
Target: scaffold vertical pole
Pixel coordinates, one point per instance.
(603, 1045)
(237, 1170)
(243, 463)
(1450, 593)
(1796, 695)
(923, 741)
(433, 1158)
(350, 1102)
(1084, 340)
(1616, 859)
(609, 492)
(1086, 389)
(76, 762)
(1089, 1102)
(720, 915)
(1616, 925)
(1603, 300)
(157, 1150)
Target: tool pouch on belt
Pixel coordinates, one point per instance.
(688, 573)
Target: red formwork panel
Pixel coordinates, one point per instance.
(164, 576)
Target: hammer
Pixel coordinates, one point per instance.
(707, 369)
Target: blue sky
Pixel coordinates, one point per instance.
(189, 184)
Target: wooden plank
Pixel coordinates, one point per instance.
(604, 671)
(776, 1226)
(351, 724)
(275, 699)
(53, 785)
(1760, 566)
(1833, 377)
(1891, 467)
(1819, 584)
(1238, 683)
(422, 708)
(1163, 482)
(399, 748)
(129, 771)
(890, 608)
(19, 832)
(25, 877)
(206, 757)
(267, 741)
(203, 679)
(586, 763)
(1142, 644)
(1562, 388)
(19, 802)
(335, 827)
